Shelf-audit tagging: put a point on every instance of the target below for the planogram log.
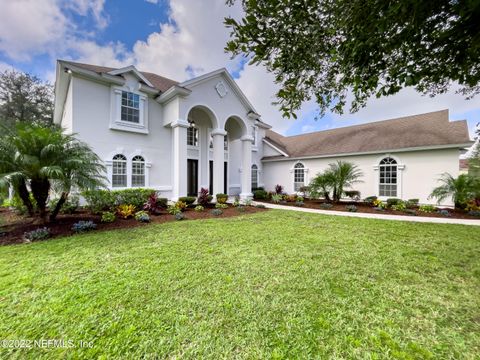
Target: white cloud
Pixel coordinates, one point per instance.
(152, 1)
(30, 26)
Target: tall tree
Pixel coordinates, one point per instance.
(25, 98)
(334, 50)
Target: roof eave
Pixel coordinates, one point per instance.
(373, 152)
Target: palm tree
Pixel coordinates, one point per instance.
(40, 157)
(461, 189)
(345, 174)
(321, 185)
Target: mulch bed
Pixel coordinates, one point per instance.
(364, 208)
(14, 226)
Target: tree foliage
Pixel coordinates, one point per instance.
(37, 160)
(336, 50)
(25, 98)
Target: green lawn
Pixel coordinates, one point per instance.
(275, 284)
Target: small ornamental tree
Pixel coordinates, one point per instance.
(34, 160)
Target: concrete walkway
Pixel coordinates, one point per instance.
(375, 216)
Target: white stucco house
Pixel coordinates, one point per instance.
(179, 137)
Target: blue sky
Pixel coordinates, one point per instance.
(178, 39)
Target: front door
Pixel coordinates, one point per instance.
(225, 177)
(192, 177)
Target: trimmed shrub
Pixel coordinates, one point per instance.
(221, 206)
(393, 201)
(216, 212)
(259, 194)
(399, 206)
(37, 234)
(179, 216)
(108, 217)
(106, 200)
(126, 211)
(189, 200)
(100, 200)
(427, 208)
(136, 197)
(199, 208)
(84, 226)
(412, 203)
(351, 208)
(370, 200)
(222, 198)
(258, 188)
(142, 216)
(326, 206)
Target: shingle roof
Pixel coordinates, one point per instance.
(423, 130)
(159, 82)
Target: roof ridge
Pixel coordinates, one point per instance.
(367, 123)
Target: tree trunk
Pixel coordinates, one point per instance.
(40, 190)
(58, 206)
(25, 196)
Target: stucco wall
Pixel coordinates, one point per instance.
(91, 119)
(418, 178)
(67, 122)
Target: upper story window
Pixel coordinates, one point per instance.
(138, 171)
(192, 134)
(298, 176)
(119, 171)
(130, 107)
(129, 110)
(254, 135)
(388, 177)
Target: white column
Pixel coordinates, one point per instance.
(246, 191)
(218, 160)
(179, 159)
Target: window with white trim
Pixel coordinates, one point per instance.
(130, 111)
(254, 135)
(138, 171)
(388, 177)
(192, 134)
(298, 176)
(119, 171)
(254, 176)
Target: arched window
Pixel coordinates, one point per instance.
(119, 171)
(298, 176)
(138, 171)
(192, 134)
(388, 177)
(254, 176)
